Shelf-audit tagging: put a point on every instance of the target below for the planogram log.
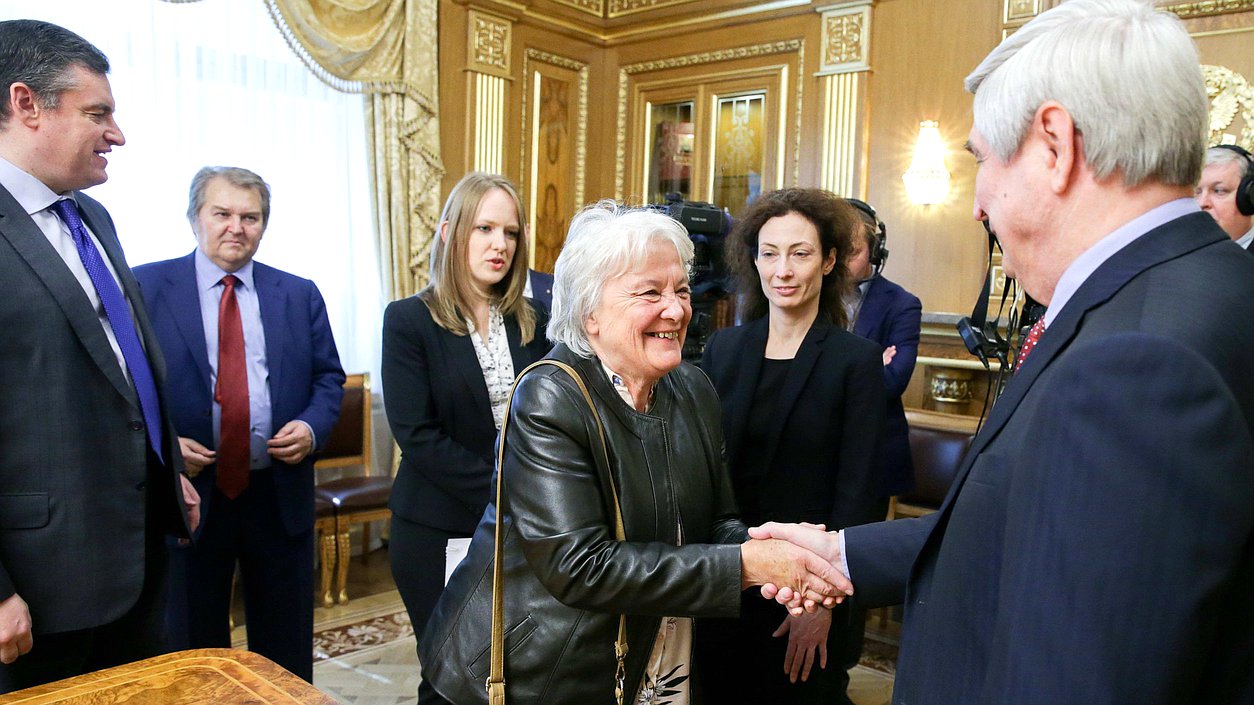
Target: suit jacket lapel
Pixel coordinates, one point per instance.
(182, 298)
(32, 246)
(870, 311)
(1163, 243)
(794, 383)
(745, 382)
(462, 356)
(272, 301)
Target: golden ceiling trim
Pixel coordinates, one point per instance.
(708, 57)
(620, 8)
(592, 7)
(1209, 7)
(581, 125)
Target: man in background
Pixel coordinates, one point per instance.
(1096, 544)
(89, 471)
(1225, 192)
(255, 384)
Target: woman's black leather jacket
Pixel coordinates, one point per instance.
(567, 580)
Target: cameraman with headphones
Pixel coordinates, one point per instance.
(882, 311)
(1226, 191)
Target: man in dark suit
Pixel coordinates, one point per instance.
(540, 288)
(882, 311)
(89, 471)
(255, 385)
(1097, 545)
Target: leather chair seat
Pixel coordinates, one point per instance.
(937, 454)
(353, 493)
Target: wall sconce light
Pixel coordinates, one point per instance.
(927, 179)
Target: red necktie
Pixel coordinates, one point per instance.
(232, 395)
(1029, 341)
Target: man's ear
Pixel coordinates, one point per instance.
(444, 232)
(23, 104)
(1054, 126)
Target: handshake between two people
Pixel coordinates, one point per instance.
(797, 565)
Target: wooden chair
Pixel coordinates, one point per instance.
(354, 500)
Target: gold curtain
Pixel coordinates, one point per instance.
(386, 50)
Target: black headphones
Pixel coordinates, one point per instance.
(878, 254)
(1245, 190)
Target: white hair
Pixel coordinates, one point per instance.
(1128, 75)
(605, 240)
(1223, 155)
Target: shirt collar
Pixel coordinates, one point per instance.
(208, 274)
(1246, 239)
(31, 193)
(1088, 262)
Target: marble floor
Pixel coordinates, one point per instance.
(364, 649)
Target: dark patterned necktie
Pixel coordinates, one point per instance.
(231, 394)
(119, 315)
(1029, 341)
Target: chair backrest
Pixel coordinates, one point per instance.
(938, 446)
(349, 444)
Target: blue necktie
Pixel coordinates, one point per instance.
(119, 315)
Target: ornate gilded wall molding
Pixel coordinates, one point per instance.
(1209, 7)
(846, 32)
(592, 7)
(624, 88)
(581, 130)
(1230, 95)
(618, 8)
(490, 39)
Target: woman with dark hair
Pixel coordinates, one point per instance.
(803, 409)
(450, 354)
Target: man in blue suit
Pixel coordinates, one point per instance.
(1097, 544)
(254, 386)
(882, 311)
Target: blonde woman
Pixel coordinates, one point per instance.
(450, 354)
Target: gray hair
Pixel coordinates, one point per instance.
(605, 240)
(41, 55)
(233, 175)
(1224, 155)
(1128, 75)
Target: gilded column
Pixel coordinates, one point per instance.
(489, 76)
(843, 68)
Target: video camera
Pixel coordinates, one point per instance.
(707, 226)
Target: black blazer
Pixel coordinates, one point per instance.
(825, 431)
(1097, 544)
(76, 539)
(437, 406)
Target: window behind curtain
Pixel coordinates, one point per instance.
(213, 83)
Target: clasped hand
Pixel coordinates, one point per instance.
(795, 565)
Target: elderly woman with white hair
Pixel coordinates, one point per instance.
(616, 516)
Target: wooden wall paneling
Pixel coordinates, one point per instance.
(554, 155)
(917, 68)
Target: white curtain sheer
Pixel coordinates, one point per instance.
(213, 83)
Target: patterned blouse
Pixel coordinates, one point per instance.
(495, 361)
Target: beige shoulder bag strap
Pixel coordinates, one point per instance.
(496, 674)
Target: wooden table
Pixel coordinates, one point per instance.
(196, 677)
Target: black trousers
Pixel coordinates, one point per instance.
(277, 579)
(416, 552)
(740, 662)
